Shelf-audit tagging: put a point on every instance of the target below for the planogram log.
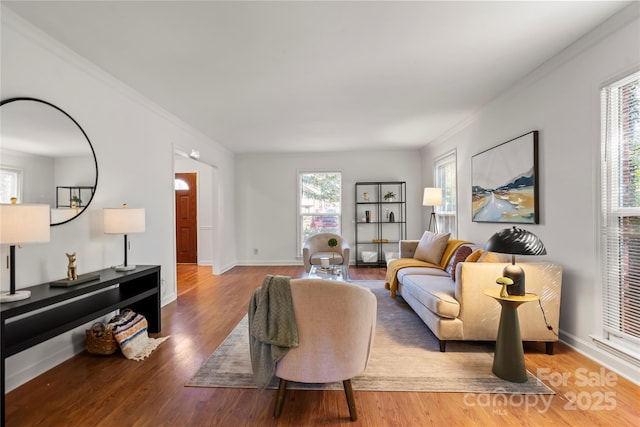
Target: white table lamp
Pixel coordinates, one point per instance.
(21, 223)
(432, 197)
(124, 221)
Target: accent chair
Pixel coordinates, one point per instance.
(317, 246)
(336, 324)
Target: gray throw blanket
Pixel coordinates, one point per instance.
(272, 327)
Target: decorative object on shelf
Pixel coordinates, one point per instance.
(100, 340)
(390, 196)
(367, 216)
(72, 267)
(365, 196)
(369, 256)
(504, 282)
(380, 240)
(504, 182)
(432, 197)
(82, 278)
(392, 217)
(515, 241)
(124, 221)
(21, 223)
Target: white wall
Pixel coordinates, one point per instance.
(266, 200)
(134, 144)
(38, 176)
(562, 101)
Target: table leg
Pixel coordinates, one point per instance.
(508, 362)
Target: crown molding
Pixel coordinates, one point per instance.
(53, 46)
(619, 20)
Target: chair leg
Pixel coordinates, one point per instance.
(443, 345)
(282, 388)
(348, 390)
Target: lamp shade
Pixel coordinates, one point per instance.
(24, 223)
(516, 241)
(432, 196)
(123, 220)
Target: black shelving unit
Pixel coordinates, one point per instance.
(51, 311)
(379, 231)
(67, 195)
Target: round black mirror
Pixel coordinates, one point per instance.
(45, 157)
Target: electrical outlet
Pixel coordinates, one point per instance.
(255, 251)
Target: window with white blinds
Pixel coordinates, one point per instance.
(620, 215)
(445, 173)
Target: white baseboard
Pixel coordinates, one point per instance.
(249, 263)
(606, 359)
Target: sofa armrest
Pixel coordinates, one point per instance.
(407, 248)
(480, 313)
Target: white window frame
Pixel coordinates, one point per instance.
(17, 190)
(616, 246)
(303, 212)
(447, 213)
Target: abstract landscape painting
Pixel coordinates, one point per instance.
(504, 182)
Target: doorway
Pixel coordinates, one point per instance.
(186, 218)
(207, 216)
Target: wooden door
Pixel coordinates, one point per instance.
(187, 219)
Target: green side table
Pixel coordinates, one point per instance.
(508, 362)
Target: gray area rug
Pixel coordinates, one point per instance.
(405, 357)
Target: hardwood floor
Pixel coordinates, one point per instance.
(113, 391)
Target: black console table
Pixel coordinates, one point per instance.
(32, 321)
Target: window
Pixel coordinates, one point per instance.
(620, 216)
(10, 184)
(320, 197)
(445, 177)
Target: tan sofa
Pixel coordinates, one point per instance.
(459, 310)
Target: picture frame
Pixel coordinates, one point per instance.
(504, 182)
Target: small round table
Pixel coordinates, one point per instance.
(508, 362)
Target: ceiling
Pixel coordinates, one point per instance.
(318, 76)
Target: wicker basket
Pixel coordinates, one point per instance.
(100, 340)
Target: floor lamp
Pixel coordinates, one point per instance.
(432, 197)
(20, 223)
(124, 221)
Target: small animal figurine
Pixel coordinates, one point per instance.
(72, 267)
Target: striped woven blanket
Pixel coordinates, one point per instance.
(130, 331)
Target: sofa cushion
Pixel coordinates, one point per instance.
(434, 292)
(431, 247)
(425, 271)
(461, 254)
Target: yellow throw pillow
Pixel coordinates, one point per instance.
(474, 255)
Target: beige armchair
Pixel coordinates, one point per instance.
(336, 324)
(317, 246)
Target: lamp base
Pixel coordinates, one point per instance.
(515, 273)
(18, 296)
(125, 267)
